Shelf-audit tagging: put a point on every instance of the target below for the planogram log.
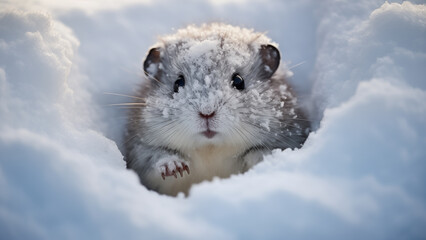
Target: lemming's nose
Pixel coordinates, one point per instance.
(207, 116)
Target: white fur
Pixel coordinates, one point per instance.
(205, 163)
(170, 127)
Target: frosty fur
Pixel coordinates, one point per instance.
(165, 131)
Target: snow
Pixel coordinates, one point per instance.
(360, 175)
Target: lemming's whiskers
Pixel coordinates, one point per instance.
(128, 108)
(128, 104)
(296, 65)
(150, 76)
(124, 95)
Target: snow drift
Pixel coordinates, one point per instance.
(361, 175)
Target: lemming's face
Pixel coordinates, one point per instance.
(212, 90)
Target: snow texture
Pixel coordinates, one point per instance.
(360, 175)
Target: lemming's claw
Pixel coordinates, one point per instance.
(171, 169)
(186, 168)
(179, 169)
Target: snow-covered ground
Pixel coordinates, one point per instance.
(361, 174)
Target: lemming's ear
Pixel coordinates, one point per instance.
(270, 57)
(152, 63)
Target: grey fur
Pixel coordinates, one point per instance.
(249, 123)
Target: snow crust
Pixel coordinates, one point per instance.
(361, 175)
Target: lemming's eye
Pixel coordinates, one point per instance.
(180, 82)
(238, 82)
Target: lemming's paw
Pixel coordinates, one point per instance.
(172, 167)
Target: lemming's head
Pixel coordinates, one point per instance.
(212, 85)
